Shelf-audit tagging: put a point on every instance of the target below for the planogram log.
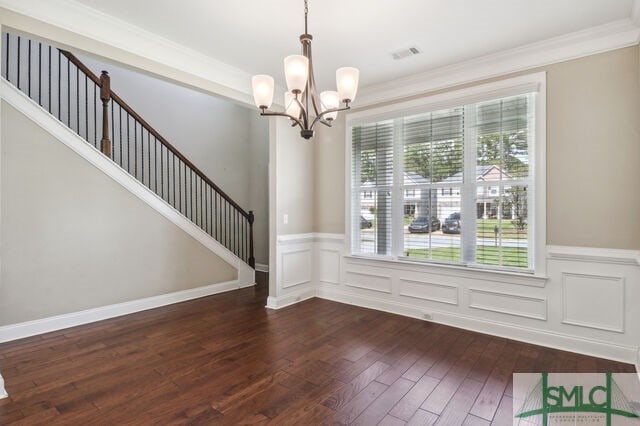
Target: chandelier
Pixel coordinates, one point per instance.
(301, 97)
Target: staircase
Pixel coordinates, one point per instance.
(85, 103)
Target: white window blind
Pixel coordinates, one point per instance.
(460, 178)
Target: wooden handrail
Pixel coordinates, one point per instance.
(75, 61)
(154, 132)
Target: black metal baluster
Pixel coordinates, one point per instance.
(95, 119)
(142, 152)
(155, 164)
(149, 155)
(68, 93)
(120, 128)
(135, 148)
(161, 172)
(7, 58)
(191, 192)
(168, 177)
(59, 85)
(128, 143)
(40, 74)
(207, 212)
(18, 62)
(179, 186)
(113, 125)
(49, 86)
(217, 217)
(201, 217)
(86, 108)
(173, 161)
(78, 99)
(29, 69)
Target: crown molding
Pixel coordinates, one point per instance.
(235, 83)
(85, 21)
(614, 35)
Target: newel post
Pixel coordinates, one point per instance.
(105, 96)
(252, 260)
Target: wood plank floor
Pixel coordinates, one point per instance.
(225, 359)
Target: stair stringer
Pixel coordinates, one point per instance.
(14, 97)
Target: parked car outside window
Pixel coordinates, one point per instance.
(424, 224)
(364, 223)
(452, 224)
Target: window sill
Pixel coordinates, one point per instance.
(508, 277)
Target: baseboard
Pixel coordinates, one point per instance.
(290, 298)
(623, 353)
(261, 267)
(45, 325)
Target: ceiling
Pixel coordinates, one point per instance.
(256, 35)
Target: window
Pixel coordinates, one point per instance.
(450, 185)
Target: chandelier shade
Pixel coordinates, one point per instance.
(262, 86)
(301, 99)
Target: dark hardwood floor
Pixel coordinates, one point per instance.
(227, 359)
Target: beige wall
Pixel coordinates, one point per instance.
(294, 179)
(593, 154)
(74, 239)
(329, 157)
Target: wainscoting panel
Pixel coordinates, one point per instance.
(296, 267)
(593, 301)
(380, 283)
(507, 303)
(427, 290)
(293, 270)
(586, 303)
(329, 266)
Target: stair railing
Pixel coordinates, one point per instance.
(60, 83)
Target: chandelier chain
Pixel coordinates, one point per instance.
(306, 12)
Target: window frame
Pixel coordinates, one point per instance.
(535, 82)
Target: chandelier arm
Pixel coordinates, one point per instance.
(303, 112)
(311, 83)
(319, 116)
(282, 114)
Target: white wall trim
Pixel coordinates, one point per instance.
(58, 130)
(499, 304)
(261, 267)
(91, 23)
(291, 298)
(602, 38)
(289, 239)
(58, 322)
(550, 339)
(3, 391)
(590, 254)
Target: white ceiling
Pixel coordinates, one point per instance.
(256, 35)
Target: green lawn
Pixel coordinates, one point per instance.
(486, 255)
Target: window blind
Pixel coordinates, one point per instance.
(372, 187)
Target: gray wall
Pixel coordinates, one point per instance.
(74, 239)
(593, 154)
(228, 142)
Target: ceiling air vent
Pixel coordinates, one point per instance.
(400, 54)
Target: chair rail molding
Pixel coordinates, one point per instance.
(567, 309)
